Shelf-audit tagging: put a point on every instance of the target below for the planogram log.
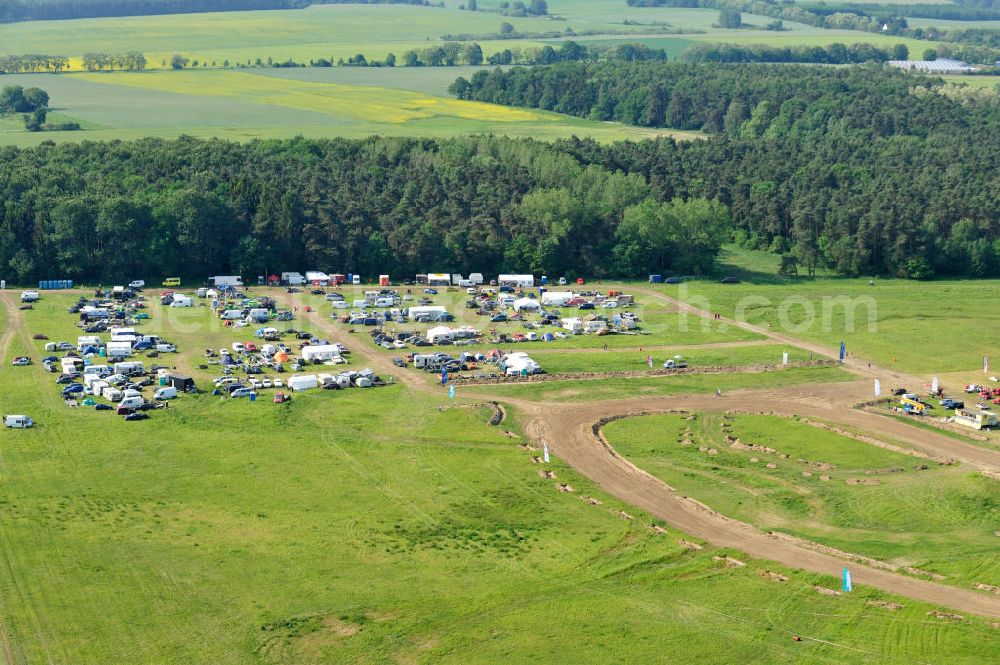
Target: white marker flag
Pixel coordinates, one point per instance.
(934, 385)
(784, 358)
(986, 365)
(878, 388)
(545, 452)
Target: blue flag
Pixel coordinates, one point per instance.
(444, 376)
(843, 351)
(451, 391)
(847, 580)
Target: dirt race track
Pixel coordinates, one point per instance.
(569, 431)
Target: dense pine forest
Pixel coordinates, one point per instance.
(104, 211)
(863, 169)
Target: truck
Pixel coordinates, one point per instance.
(29, 296)
(226, 280)
(293, 278)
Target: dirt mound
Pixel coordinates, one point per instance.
(730, 561)
(774, 577)
(949, 616)
(823, 591)
(591, 500)
(987, 587)
(563, 487)
(886, 605)
(545, 473)
(689, 545)
(862, 481)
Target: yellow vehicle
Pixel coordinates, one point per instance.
(172, 281)
(912, 406)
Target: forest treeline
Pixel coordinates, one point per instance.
(114, 211)
(862, 169)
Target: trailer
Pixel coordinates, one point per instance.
(975, 419)
(226, 280)
(523, 281)
(438, 279)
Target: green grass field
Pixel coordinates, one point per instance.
(897, 323)
(940, 520)
(365, 526)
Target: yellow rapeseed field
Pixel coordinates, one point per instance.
(360, 102)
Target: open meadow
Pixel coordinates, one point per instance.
(364, 526)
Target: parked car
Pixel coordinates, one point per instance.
(72, 389)
(952, 404)
(65, 346)
(585, 305)
(280, 398)
(398, 362)
(103, 407)
(730, 280)
(243, 392)
(137, 416)
(21, 361)
(498, 318)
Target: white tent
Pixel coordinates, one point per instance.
(526, 304)
(302, 381)
(316, 353)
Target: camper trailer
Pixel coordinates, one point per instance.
(293, 278)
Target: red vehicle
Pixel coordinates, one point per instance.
(250, 346)
(280, 398)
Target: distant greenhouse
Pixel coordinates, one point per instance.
(940, 66)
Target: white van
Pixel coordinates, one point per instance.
(136, 284)
(383, 302)
(18, 422)
(231, 314)
(130, 403)
(167, 392)
(166, 348)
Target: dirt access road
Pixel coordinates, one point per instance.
(568, 429)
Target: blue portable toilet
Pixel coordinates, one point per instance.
(656, 279)
(253, 397)
(69, 284)
(545, 280)
(350, 278)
